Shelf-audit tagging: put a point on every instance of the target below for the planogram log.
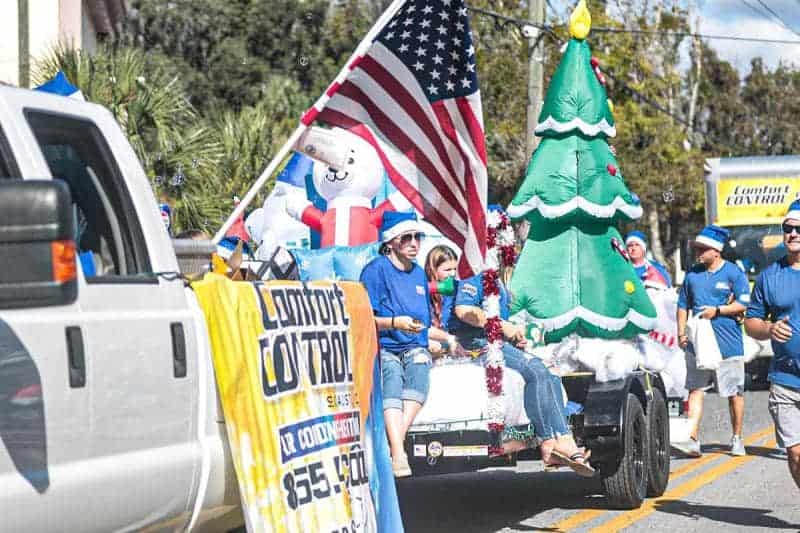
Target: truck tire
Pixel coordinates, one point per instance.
(658, 430)
(626, 488)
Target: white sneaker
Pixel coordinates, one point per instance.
(690, 448)
(737, 446)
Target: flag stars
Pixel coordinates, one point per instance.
(435, 74)
(437, 59)
(462, 11)
(459, 26)
(450, 85)
(442, 30)
(405, 35)
(456, 41)
(408, 22)
(465, 83)
(423, 37)
(425, 23)
(447, 2)
(471, 51)
(427, 10)
(439, 44)
(390, 35)
(471, 67)
(452, 70)
(454, 55)
(444, 15)
(403, 47)
(421, 51)
(433, 89)
(418, 65)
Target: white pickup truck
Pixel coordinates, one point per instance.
(109, 418)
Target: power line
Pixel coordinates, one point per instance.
(778, 17)
(699, 35)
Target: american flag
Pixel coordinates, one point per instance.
(411, 91)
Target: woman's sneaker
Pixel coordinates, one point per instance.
(737, 446)
(690, 448)
(400, 466)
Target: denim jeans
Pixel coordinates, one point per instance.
(405, 376)
(544, 401)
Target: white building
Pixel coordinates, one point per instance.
(30, 28)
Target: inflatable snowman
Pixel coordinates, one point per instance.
(348, 177)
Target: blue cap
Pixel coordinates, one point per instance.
(637, 236)
(713, 236)
(61, 86)
(794, 211)
(398, 222)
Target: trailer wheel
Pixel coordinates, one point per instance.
(658, 463)
(626, 488)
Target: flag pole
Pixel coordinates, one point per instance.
(284, 151)
(262, 179)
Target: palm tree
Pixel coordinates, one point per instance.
(178, 152)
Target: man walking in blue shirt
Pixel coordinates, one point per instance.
(718, 291)
(774, 313)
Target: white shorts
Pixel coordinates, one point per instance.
(729, 377)
(784, 406)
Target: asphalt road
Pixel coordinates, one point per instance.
(715, 493)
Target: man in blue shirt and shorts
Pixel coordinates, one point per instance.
(774, 313)
(716, 290)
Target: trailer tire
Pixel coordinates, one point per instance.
(658, 430)
(626, 488)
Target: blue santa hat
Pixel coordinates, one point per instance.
(61, 86)
(638, 237)
(713, 236)
(398, 222)
(793, 212)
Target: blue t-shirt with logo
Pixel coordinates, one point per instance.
(776, 294)
(447, 308)
(705, 288)
(470, 292)
(395, 292)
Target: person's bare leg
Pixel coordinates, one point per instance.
(695, 411)
(736, 408)
(395, 429)
(794, 463)
(410, 411)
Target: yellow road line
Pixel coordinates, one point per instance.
(590, 514)
(649, 507)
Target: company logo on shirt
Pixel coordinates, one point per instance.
(721, 285)
(420, 290)
(471, 290)
(744, 298)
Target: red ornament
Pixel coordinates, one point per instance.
(496, 426)
(489, 281)
(508, 255)
(493, 329)
(595, 62)
(491, 238)
(494, 379)
(611, 169)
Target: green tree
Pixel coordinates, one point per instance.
(179, 154)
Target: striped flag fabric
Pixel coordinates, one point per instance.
(411, 90)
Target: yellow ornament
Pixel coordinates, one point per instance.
(610, 105)
(629, 286)
(580, 22)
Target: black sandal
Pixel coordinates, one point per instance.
(577, 462)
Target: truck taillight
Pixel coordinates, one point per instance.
(63, 253)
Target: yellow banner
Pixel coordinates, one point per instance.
(755, 200)
(294, 367)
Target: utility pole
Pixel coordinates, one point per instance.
(535, 71)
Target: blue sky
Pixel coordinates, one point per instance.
(735, 18)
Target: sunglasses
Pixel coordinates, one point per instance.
(405, 239)
(788, 229)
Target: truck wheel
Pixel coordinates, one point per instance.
(626, 488)
(658, 429)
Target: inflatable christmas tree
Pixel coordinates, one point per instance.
(574, 275)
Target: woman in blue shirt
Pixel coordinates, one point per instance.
(400, 298)
(543, 396)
